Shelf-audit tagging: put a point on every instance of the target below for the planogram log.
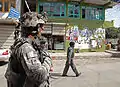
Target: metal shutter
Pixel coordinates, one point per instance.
(6, 35)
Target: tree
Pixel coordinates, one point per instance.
(112, 32)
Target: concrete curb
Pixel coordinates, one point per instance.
(87, 55)
(113, 52)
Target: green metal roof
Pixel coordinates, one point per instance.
(106, 3)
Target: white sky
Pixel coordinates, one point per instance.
(113, 14)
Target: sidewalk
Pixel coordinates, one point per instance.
(106, 54)
(114, 52)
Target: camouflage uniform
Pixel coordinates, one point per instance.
(24, 68)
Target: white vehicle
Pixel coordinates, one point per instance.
(4, 54)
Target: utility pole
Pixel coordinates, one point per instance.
(18, 5)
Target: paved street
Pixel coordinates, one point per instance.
(96, 72)
(101, 72)
(2, 71)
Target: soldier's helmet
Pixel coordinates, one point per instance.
(32, 21)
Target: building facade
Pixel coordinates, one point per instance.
(66, 17)
(6, 4)
(7, 26)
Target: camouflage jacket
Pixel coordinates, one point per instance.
(24, 68)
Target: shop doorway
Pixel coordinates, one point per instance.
(54, 42)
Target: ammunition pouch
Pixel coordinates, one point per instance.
(12, 77)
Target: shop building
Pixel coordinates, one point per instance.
(63, 15)
(7, 26)
(67, 14)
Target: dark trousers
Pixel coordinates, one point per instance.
(72, 66)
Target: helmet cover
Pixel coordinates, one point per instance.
(32, 19)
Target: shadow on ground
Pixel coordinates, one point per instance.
(54, 74)
(3, 63)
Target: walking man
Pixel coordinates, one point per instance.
(69, 62)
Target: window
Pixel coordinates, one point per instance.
(6, 4)
(73, 11)
(12, 3)
(83, 12)
(92, 13)
(45, 7)
(53, 9)
(1, 5)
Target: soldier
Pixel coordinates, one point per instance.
(43, 49)
(24, 68)
(40, 46)
(69, 62)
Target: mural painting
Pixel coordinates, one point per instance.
(86, 38)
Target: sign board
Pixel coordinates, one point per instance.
(47, 29)
(58, 30)
(13, 13)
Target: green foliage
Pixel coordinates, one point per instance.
(112, 33)
(67, 44)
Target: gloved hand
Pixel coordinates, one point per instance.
(47, 63)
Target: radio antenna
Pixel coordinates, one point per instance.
(27, 6)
